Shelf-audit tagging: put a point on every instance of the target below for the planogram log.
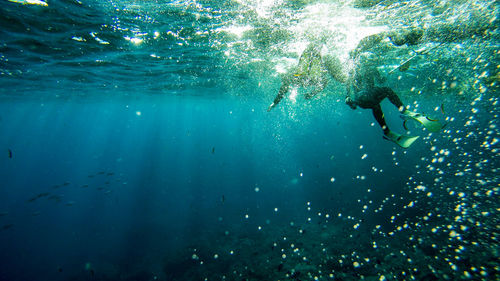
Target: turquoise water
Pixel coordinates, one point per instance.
(137, 143)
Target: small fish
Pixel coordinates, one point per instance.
(40, 195)
(223, 199)
(10, 153)
(66, 183)
(3, 214)
(442, 108)
(70, 203)
(110, 174)
(101, 173)
(84, 186)
(213, 149)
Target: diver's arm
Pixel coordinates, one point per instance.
(335, 68)
(285, 85)
(349, 99)
(368, 43)
(319, 87)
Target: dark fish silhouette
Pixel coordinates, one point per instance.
(40, 195)
(10, 153)
(213, 149)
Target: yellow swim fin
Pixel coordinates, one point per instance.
(430, 124)
(401, 140)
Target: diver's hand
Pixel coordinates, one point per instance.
(350, 103)
(271, 107)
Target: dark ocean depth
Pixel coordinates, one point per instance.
(136, 143)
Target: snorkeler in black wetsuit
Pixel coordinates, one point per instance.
(360, 81)
(362, 92)
(313, 69)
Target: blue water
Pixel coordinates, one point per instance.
(135, 144)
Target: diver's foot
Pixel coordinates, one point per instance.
(401, 140)
(407, 113)
(430, 124)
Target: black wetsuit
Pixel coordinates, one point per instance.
(362, 92)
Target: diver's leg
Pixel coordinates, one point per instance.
(393, 98)
(379, 116)
(285, 84)
(335, 68)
